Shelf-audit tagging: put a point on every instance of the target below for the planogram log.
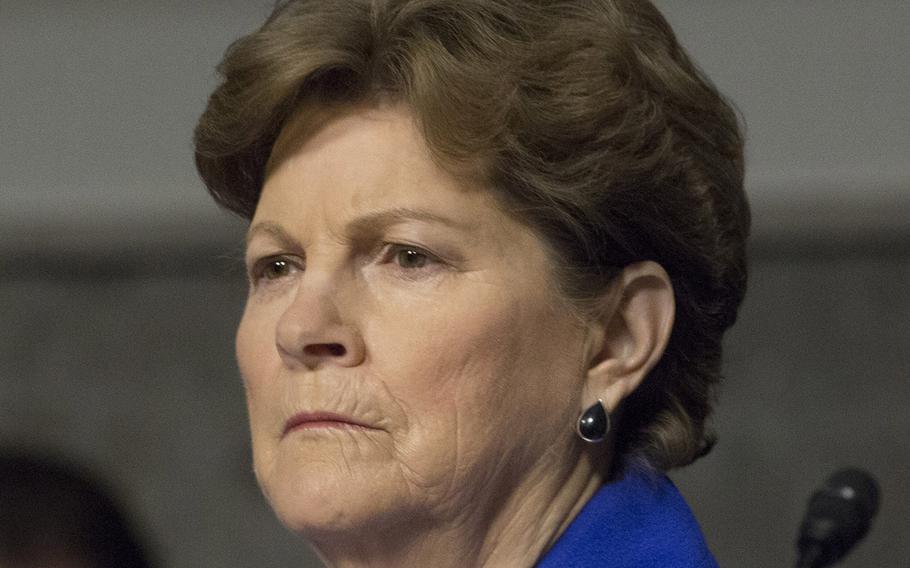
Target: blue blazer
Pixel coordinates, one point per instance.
(639, 521)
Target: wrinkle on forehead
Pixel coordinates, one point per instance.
(309, 121)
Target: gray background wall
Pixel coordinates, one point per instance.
(119, 290)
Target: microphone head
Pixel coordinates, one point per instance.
(839, 515)
(857, 487)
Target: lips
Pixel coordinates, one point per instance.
(318, 420)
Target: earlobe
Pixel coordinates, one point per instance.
(632, 333)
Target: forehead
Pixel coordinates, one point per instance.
(312, 123)
(363, 158)
(306, 123)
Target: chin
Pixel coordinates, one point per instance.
(314, 497)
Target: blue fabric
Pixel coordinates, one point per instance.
(639, 521)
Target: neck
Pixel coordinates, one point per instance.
(494, 531)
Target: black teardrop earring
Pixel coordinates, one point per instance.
(594, 423)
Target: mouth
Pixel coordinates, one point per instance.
(322, 420)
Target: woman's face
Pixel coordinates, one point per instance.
(406, 360)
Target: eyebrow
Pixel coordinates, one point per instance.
(273, 230)
(371, 222)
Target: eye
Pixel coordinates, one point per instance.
(272, 268)
(275, 269)
(411, 258)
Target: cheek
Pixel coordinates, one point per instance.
(258, 362)
(477, 374)
(254, 347)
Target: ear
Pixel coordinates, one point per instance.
(630, 336)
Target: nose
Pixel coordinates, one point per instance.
(312, 333)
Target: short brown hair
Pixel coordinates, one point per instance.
(585, 118)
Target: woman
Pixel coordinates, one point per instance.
(493, 247)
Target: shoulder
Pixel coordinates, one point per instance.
(640, 520)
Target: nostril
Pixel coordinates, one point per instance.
(326, 349)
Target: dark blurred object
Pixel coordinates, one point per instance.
(838, 517)
(55, 515)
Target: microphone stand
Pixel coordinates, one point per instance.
(809, 556)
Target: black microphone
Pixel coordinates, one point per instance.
(838, 516)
